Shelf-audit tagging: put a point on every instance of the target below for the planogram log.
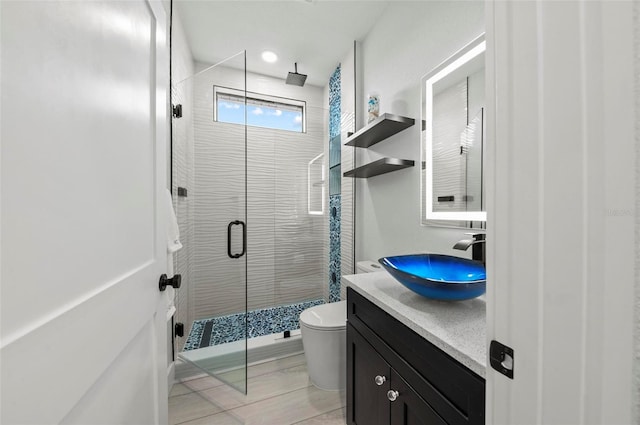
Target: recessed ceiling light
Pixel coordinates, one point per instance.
(268, 56)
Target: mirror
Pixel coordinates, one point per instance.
(453, 140)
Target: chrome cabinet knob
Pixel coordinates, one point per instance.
(392, 395)
(380, 380)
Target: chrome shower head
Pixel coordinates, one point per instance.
(296, 79)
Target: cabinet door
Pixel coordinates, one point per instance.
(407, 407)
(367, 402)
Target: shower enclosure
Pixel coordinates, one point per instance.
(250, 202)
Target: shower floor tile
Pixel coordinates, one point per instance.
(279, 392)
(230, 328)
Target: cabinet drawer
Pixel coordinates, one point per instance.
(455, 392)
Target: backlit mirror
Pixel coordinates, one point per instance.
(453, 140)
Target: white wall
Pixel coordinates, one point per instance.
(271, 86)
(409, 40)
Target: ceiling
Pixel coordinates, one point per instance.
(316, 34)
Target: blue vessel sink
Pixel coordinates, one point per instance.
(436, 276)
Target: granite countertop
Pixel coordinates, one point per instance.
(458, 328)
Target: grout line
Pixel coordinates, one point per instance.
(200, 417)
(221, 383)
(243, 405)
(191, 390)
(274, 371)
(321, 414)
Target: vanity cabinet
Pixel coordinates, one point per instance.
(394, 376)
(375, 383)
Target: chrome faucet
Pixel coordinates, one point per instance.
(478, 242)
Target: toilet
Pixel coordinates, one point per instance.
(324, 338)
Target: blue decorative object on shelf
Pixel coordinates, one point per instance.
(436, 276)
(373, 107)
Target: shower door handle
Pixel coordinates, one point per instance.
(244, 239)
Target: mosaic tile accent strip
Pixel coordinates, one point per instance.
(335, 127)
(334, 248)
(230, 328)
(335, 95)
(334, 103)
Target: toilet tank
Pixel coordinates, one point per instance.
(368, 266)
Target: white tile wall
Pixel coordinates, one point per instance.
(286, 245)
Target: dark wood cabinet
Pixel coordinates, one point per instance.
(373, 381)
(394, 376)
(409, 408)
(370, 404)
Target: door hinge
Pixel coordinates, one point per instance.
(179, 329)
(177, 111)
(501, 358)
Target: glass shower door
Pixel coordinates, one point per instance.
(210, 195)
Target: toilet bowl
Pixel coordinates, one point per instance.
(324, 339)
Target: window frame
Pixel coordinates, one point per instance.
(259, 97)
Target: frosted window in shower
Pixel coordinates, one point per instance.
(261, 110)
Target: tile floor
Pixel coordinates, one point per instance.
(280, 393)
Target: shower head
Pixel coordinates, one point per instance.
(296, 79)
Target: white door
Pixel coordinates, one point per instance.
(84, 105)
(562, 210)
